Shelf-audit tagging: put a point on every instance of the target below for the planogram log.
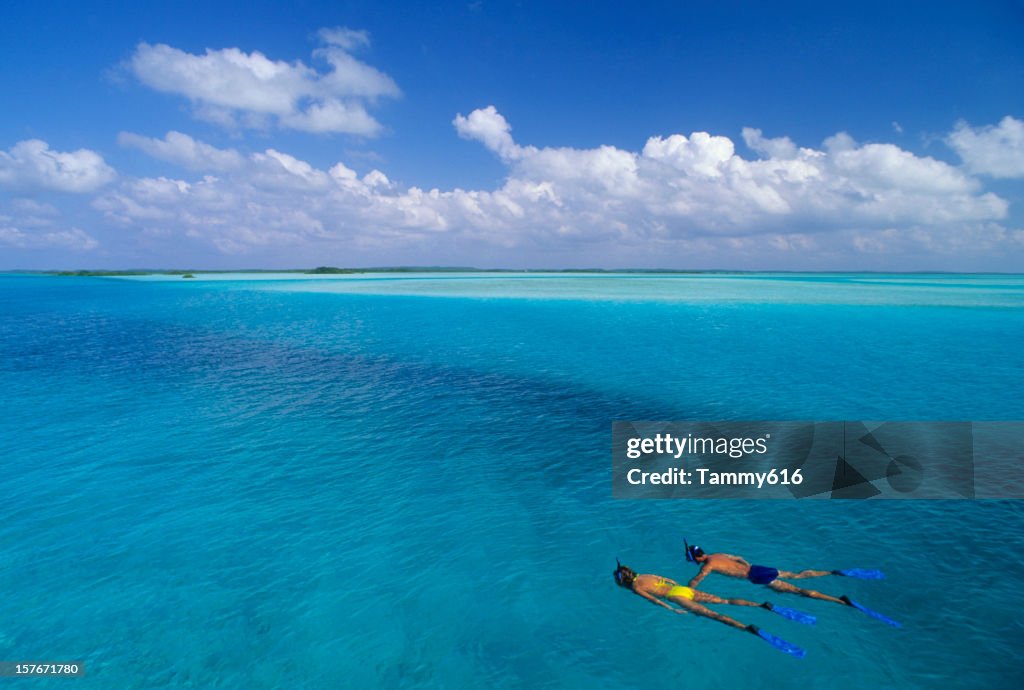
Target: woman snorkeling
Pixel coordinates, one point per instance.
(657, 590)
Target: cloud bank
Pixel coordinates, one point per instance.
(697, 199)
(683, 193)
(239, 89)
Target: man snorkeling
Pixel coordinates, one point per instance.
(655, 589)
(734, 566)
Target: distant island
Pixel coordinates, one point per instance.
(334, 270)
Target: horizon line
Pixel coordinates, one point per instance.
(332, 270)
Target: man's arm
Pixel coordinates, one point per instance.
(705, 570)
(659, 602)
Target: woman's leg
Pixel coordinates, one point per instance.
(700, 610)
(705, 598)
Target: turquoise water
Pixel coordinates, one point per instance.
(404, 481)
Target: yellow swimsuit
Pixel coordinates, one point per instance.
(680, 591)
(676, 591)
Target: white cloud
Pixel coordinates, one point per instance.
(343, 37)
(31, 164)
(677, 194)
(183, 150)
(489, 127)
(28, 214)
(995, 150)
(780, 147)
(232, 87)
(332, 115)
(701, 154)
(72, 238)
(34, 208)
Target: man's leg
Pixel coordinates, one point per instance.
(789, 575)
(780, 586)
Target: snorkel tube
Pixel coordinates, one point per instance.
(689, 558)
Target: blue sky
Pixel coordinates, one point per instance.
(884, 136)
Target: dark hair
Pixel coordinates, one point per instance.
(624, 576)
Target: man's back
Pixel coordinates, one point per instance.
(727, 564)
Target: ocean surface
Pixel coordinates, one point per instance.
(404, 481)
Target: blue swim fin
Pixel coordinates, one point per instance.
(777, 642)
(791, 614)
(861, 573)
(873, 614)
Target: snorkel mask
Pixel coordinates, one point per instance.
(692, 552)
(617, 574)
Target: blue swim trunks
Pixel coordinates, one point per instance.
(762, 575)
